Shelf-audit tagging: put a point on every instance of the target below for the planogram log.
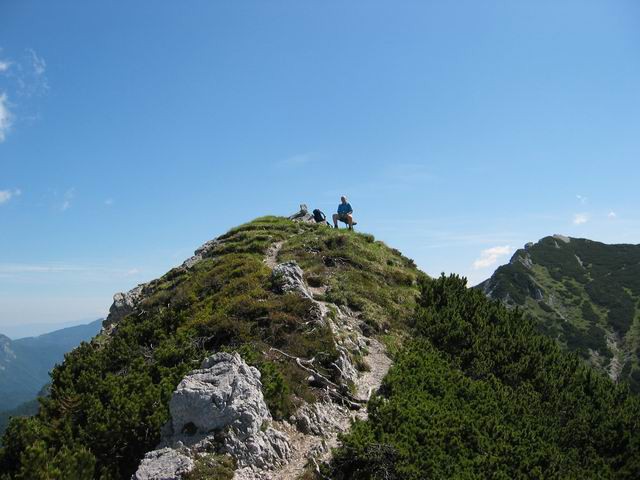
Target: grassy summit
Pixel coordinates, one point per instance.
(585, 294)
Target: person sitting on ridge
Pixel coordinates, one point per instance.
(345, 214)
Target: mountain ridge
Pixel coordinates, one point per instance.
(584, 293)
(251, 360)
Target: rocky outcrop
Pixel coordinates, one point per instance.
(123, 305)
(525, 259)
(164, 464)
(346, 369)
(318, 419)
(265, 450)
(302, 215)
(289, 277)
(225, 392)
(221, 407)
(203, 251)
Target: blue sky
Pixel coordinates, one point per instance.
(132, 132)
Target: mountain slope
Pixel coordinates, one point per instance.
(586, 294)
(317, 315)
(478, 393)
(110, 398)
(25, 363)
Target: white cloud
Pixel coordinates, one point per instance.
(18, 268)
(490, 256)
(612, 215)
(67, 199)
(580, 218)
(6, 195)
(582, 199)
(6, 117)
(24, 80)
(23, 270)
(37, 63)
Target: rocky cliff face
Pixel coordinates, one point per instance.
(585, 294)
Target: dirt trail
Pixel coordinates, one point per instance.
(379, 364)
(271, 258)
(309, 449)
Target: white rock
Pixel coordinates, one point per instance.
(164, 464)
(348, 372)
(226, 392)
(318, 419)
(288, 277)
(203, 251)
(265, 450)
(302, 215)
(123, 305)
(221, 405)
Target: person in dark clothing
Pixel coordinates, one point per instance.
(345, 213)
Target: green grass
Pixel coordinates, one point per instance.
(361, 273)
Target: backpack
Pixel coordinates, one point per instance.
(318, 216)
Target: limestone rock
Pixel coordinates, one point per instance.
(318, 418)
(225, 392)
(203, 251)
(123, 305)
(526, 261)
(220, 406)
(206, 248)
(348, 372)
(288, 277)
(302, 215)
(164, 464)
(265, 449)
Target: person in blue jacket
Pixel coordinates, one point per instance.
(345, 213)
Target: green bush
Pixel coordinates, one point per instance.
(479, 394)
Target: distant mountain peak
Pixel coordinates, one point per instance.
(586, 294)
